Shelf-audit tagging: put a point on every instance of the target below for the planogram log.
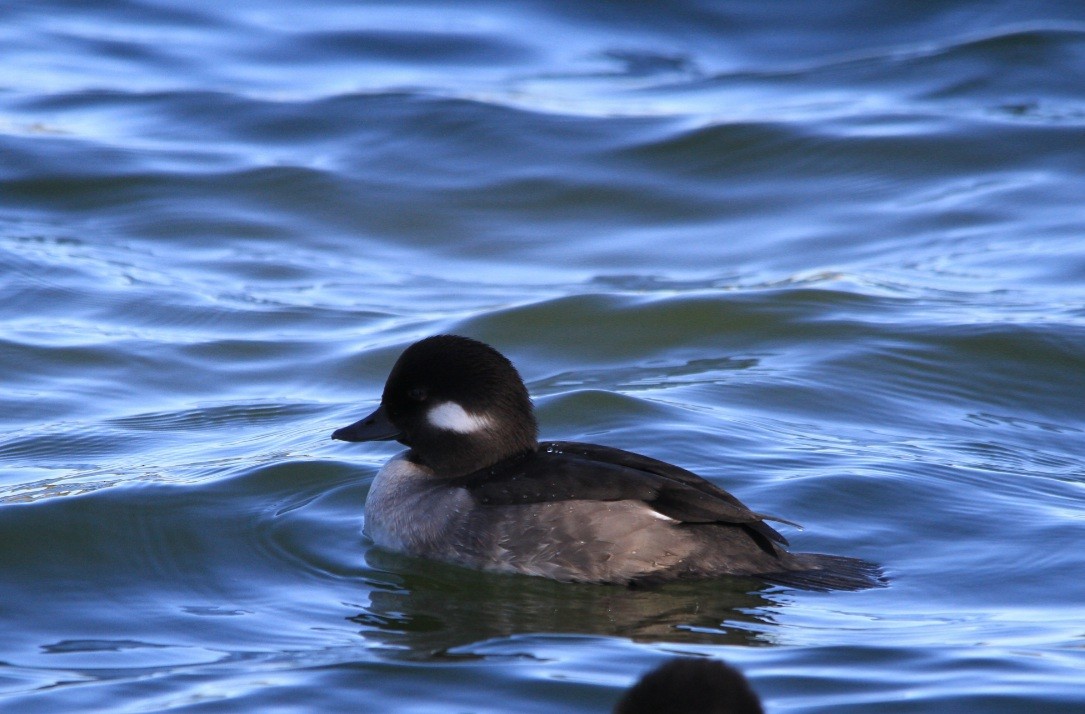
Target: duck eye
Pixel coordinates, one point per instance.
(418, 394)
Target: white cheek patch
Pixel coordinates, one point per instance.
(450, 416)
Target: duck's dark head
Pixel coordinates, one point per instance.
(458, 403)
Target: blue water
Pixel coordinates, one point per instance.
(828, 255)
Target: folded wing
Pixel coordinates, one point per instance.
(567, 470)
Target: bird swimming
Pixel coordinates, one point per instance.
(691, 685)
(476, 487)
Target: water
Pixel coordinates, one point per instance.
(829, 256)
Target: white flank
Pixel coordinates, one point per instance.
(656, 514)
(450, 416)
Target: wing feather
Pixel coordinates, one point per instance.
(567, 470)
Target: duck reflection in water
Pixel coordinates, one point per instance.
(423, 611)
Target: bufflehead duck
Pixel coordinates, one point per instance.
(691, 685)
(477, 488)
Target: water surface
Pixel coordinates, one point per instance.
(829, 257)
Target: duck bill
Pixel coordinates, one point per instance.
(375, 427)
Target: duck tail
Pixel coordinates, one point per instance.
(815, 571)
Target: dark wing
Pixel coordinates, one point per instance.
(568, 470)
